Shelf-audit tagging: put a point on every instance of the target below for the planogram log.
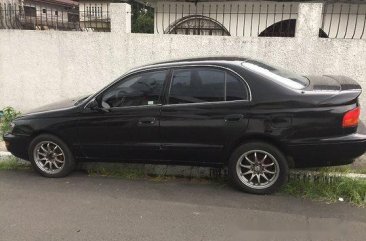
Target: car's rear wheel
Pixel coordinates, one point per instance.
(258, 167)
(50, 156)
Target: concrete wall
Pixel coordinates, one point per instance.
(40, 67)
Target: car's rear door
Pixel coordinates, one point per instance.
(205, 109)
(129, 130)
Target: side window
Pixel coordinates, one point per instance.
(235, 88)
(140, 89)
(197, 85)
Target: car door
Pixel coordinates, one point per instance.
(126, 126)
(205, 109)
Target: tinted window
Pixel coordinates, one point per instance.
(197, 85)
(277, 74)
(140, 89)
(205, 85)
(235, 89)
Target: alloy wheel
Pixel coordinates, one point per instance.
(49, 157)
(257, 169)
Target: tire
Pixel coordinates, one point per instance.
(270, 162)
(50, 156)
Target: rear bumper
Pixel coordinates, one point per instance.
(329, 151)
(17, 145)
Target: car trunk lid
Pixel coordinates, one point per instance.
(336, 89)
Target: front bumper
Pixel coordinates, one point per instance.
(329, 151)
(17, 145)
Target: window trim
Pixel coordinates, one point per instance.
(170, 70)
(218, 68)
(112, 109)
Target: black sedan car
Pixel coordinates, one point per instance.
(256, 119)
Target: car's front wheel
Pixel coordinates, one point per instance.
(258, 167)
(50, 156)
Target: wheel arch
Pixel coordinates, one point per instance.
(48, 132)
(259, 138)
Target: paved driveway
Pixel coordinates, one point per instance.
(96, 208)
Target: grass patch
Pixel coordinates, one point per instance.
(351, 190)
(340, 169)
(12, 163)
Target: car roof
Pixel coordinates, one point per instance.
(191, 61)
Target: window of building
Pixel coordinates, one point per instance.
(73, 17)
(29, 11)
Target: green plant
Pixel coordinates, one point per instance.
(142, 17)
(340, 169)
(9, 114)
(351, 190)
(12, 163)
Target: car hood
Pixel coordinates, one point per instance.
(57, 106)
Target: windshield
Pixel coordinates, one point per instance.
(280, 75)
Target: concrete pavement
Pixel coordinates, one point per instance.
(96, 208)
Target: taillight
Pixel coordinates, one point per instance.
(350, 119)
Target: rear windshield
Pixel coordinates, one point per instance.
(280, 75)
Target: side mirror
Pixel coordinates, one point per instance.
(94, 105)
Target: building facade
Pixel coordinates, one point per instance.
(250, 18)
(39, 14)
(94, 15)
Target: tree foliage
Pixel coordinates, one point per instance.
(142, 17)
(9, 114)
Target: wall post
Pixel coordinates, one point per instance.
(120, 17)
(309, 20)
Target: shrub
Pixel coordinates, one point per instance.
(9, 114)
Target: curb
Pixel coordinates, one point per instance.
(197, 172)
(325, 175)
(158, 170)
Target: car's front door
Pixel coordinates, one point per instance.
(206, 108)
(128, 128)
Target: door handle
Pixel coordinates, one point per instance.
(236, 117)
(147, 121)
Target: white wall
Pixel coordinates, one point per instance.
(40, 67)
